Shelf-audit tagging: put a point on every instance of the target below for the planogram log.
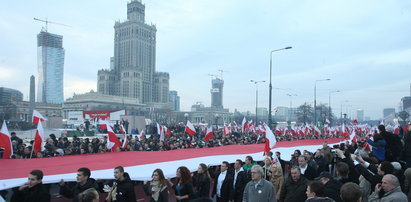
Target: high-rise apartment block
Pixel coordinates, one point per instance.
(50, 60)
(174, 100)
(132, 69)
(217, 93)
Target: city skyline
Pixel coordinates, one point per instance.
(363, 47)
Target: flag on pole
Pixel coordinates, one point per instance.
(190, 129)
(37, 117)
(270, 140)
(5, 141)
(209, 134)
(244, 125)
(112, 140)
(142, 135)
(125, 142)
(353, 138)
(396, 129)
(38, 144)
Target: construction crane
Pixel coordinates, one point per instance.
(46, 40)
(221, 72)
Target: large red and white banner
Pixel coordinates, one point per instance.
(140, 164)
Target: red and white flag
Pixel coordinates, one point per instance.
(327, 121)
(396, 129)
(37, 117)
(190, 129)
(142, 135)
(5, 141)
(209, 134)
(125, 141)
(317, 131)
(167, 131)
(112, 140)
(353, 138)
(270, 140)
(39, 140)
(244, 125)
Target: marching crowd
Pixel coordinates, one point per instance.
(177, 140)
(374, 168)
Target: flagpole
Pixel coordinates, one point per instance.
(32, 149)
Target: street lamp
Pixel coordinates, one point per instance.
(256, 98)
(270, 86)
(291, 105)
(216, 120)
(329, 102)
(315, 98)
(186, 117)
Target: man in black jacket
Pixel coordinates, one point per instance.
(84, 182)
(123, 188)
(223, 184)
(309, 172)
(239, 180)
(33, 190)
(295, 187)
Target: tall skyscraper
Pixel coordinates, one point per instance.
(32, 94)
(360, 115)
(50, 60)
(132, 72)
(217, 93)
(174, 100)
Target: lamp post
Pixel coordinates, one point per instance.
(315, 98)
(270, 86)
(186, 117)
(256, 98)
(329, 102)
(216, 120)
(291, 106)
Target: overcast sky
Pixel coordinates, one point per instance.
(364, 47)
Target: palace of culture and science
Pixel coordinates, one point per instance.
(132, 70)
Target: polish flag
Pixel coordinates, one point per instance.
(317, 131)
(244, 125)
(125, 142)
(159, 129)
(190, 129)
(209, 134)
(142, 135)
(396, 129)
(353, 138)
(327, 121)
(38, 144)
(5, 141)
(112, 142)
(270, 140)
(37, 117)
(162, 136)
(167, 131)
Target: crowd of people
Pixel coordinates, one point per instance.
(375, 168)
(178, 139)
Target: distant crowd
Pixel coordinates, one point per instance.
(178, 139)
(372, 169)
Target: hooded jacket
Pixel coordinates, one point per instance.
(125, 190)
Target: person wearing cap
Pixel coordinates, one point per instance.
(332, 187)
